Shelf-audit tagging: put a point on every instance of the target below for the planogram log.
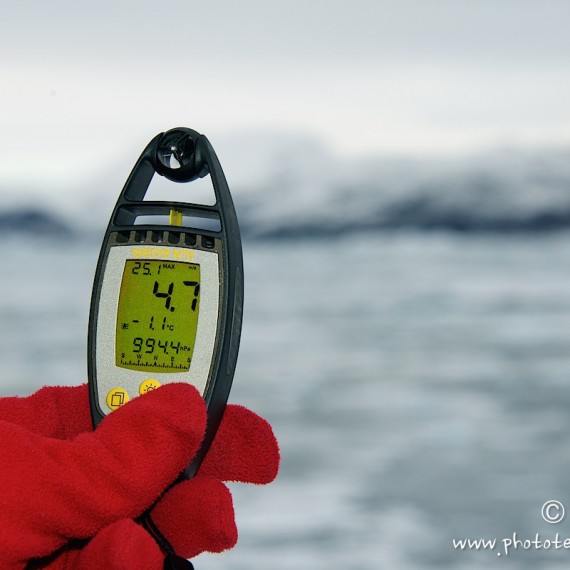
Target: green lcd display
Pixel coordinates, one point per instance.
(157, 315)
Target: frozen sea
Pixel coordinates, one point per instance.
(418, 383)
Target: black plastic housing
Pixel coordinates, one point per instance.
(196, 158)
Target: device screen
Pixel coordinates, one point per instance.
(157, 315)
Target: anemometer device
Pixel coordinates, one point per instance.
(168, 292)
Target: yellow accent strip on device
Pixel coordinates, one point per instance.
(175, 218)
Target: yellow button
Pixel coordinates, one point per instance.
(148, 385)
(116, 398)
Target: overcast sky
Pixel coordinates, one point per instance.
(81, 82)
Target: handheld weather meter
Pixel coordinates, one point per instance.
(168, 292)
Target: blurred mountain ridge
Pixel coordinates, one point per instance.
(294, 187)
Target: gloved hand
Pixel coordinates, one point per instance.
(69, 495)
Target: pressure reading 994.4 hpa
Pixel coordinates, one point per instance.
(157, 315)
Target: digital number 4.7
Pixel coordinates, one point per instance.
(170, 291)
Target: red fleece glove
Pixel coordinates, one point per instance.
(69, 494)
